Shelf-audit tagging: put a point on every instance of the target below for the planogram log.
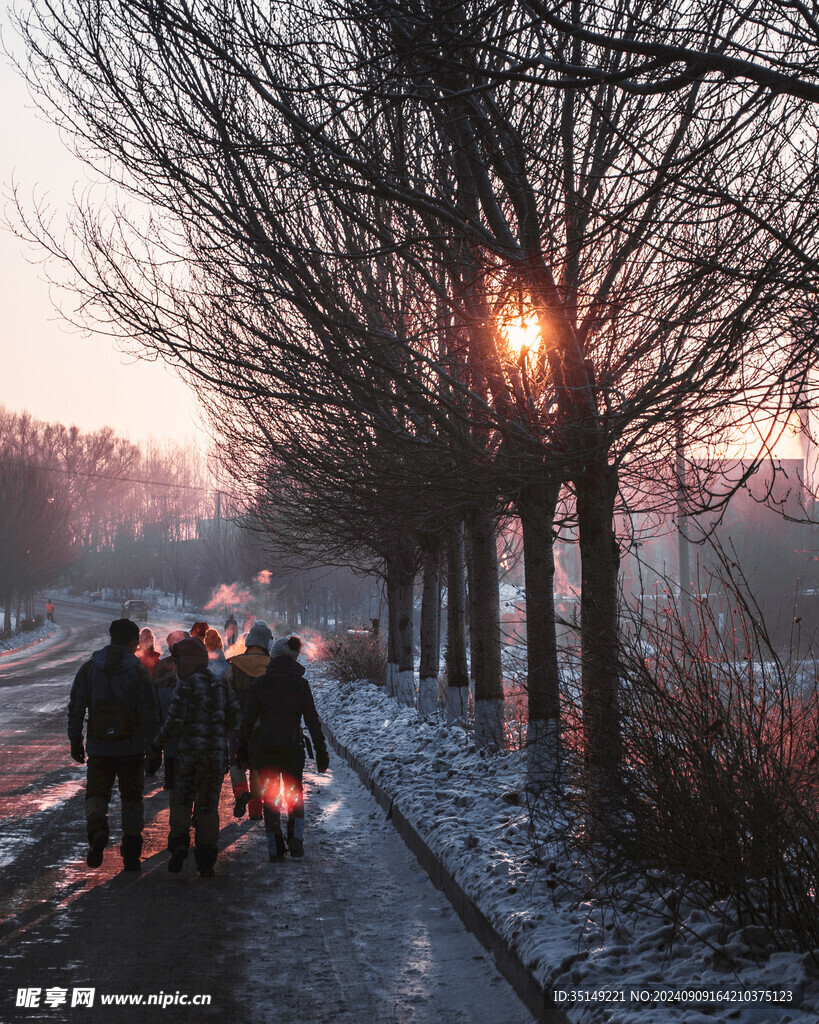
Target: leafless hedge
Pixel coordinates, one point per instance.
(355, 656)
(716, 802)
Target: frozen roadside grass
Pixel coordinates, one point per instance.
(471, 809)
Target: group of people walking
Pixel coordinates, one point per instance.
(207, 714)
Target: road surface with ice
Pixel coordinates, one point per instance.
(355, 933)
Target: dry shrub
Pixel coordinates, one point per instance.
(356, 655)
(716, 802)
(720, 790)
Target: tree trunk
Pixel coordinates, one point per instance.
(536, 507)
(600, 561)
(391, 685)
(485, 631)
(406, 655)
(457, 673)
(470, 611)
(430, 632)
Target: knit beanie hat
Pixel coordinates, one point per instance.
(190, 654)
(290, 645)
(279, 647)
(259, 635)
(213, 641)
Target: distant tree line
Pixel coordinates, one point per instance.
(94, 511)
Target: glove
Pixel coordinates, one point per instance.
(153, 759)
(78, 750)
(322, 760)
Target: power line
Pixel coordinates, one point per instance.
(118, 479)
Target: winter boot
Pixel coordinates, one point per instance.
(296, 847)
(131, 850)
(241, 795)
(178, 843)
(205, 859)
(275, 847)
(96, 844)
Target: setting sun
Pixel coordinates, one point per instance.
(521, 333)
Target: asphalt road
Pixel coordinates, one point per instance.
(353, 934)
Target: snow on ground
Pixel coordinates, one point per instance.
(35, 636)
(468, 807)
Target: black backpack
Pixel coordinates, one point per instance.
(109, 719)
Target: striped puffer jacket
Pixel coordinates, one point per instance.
(203, 710)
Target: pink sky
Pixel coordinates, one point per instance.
(49, 368)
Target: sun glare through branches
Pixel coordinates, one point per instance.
(521, 333)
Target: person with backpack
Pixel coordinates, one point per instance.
(245, 668)
(202, 711)
(116, 693)
(272, 743)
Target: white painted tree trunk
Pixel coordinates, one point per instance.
(489, 723)
(456, 661)
(485, 654)
(391, 686)
(430, 632)
(428, 696)
(456, 702)
(405, 688)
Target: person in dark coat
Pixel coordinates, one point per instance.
(277, 702)
(202, 711)
(244, 668)
(116, 692)
(165, 680)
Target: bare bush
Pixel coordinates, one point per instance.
(356, 655)
(720, 785)
(716, 803)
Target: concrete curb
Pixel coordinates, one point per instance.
(538, 1000)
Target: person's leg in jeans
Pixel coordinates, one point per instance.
(246, 795)
(293, 778)
(131, 777)
(99, 783)
(206, 820)
(270, 786)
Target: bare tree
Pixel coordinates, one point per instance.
(35, 539)
(658, 236)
